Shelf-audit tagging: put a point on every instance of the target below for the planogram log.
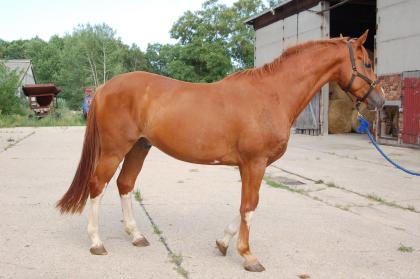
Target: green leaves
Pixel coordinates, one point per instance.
(10, 103)
(213, 41)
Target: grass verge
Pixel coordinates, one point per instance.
(65, 118)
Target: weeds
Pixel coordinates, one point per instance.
(177, 260)
(405, 249)
(283, 186)
(331, 184)
(411, 208)
(137, 195)
(156, 230)
(174, 258)
(376, 198)
(62, 117)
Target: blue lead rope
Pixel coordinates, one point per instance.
(364, 128)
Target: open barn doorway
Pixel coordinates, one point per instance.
(350, 19)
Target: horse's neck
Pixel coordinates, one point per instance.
(302, 76)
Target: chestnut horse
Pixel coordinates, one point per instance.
(243, 120)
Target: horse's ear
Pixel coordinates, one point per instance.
(362, 39)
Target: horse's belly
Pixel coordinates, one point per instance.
(198, 145)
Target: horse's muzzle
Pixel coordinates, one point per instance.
(376, 100)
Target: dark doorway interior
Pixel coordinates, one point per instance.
(353, 18)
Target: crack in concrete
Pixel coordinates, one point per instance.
(349, 157)
(174, 258)
(18, 141)
(329, 185)
(346, 208)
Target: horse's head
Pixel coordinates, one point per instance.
(359, 78)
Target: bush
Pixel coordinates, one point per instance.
(61, 116)
(10, 103)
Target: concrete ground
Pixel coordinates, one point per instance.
(335, 209)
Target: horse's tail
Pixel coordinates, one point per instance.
(74, 199)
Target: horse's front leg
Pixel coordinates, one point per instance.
(252, 173)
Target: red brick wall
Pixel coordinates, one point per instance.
(392, 85)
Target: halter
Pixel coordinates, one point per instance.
(356, 73)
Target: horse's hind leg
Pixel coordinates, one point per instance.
(230, 231)
(105, 169)
(132, 165)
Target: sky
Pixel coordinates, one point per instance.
(135, 21)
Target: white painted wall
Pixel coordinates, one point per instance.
(273, 39)
(268, 43)
(398, 36)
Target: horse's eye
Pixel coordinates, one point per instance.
(368, 65)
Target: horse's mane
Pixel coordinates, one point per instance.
(289, 52)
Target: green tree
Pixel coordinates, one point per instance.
(15, 50)
(272, 3)
(10, 103)
(3, 47)
(45, 58)
(90, 56)
(133, 58)
(214, 40)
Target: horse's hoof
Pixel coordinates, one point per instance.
(222, 248)
(98, 250)
(141, 242)
(254, 267)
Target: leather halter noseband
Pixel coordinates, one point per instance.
(355, 74)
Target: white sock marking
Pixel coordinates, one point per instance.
(129, 222)
(231, 230)
(93, 223)
(248, 217)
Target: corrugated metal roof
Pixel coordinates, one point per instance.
(280, 11)
(22, 67)
(269, 10)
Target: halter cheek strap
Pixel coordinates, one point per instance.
(356, 73)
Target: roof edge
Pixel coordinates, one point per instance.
(280, 11)
(250, 20)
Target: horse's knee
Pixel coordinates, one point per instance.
(124, 186)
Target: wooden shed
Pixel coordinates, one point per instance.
(393, 40)
(23, 68)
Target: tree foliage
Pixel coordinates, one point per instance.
(211, 43)
(88, 57)
(10, 103)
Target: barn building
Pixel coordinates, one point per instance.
(23, 68)
(394, 40)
